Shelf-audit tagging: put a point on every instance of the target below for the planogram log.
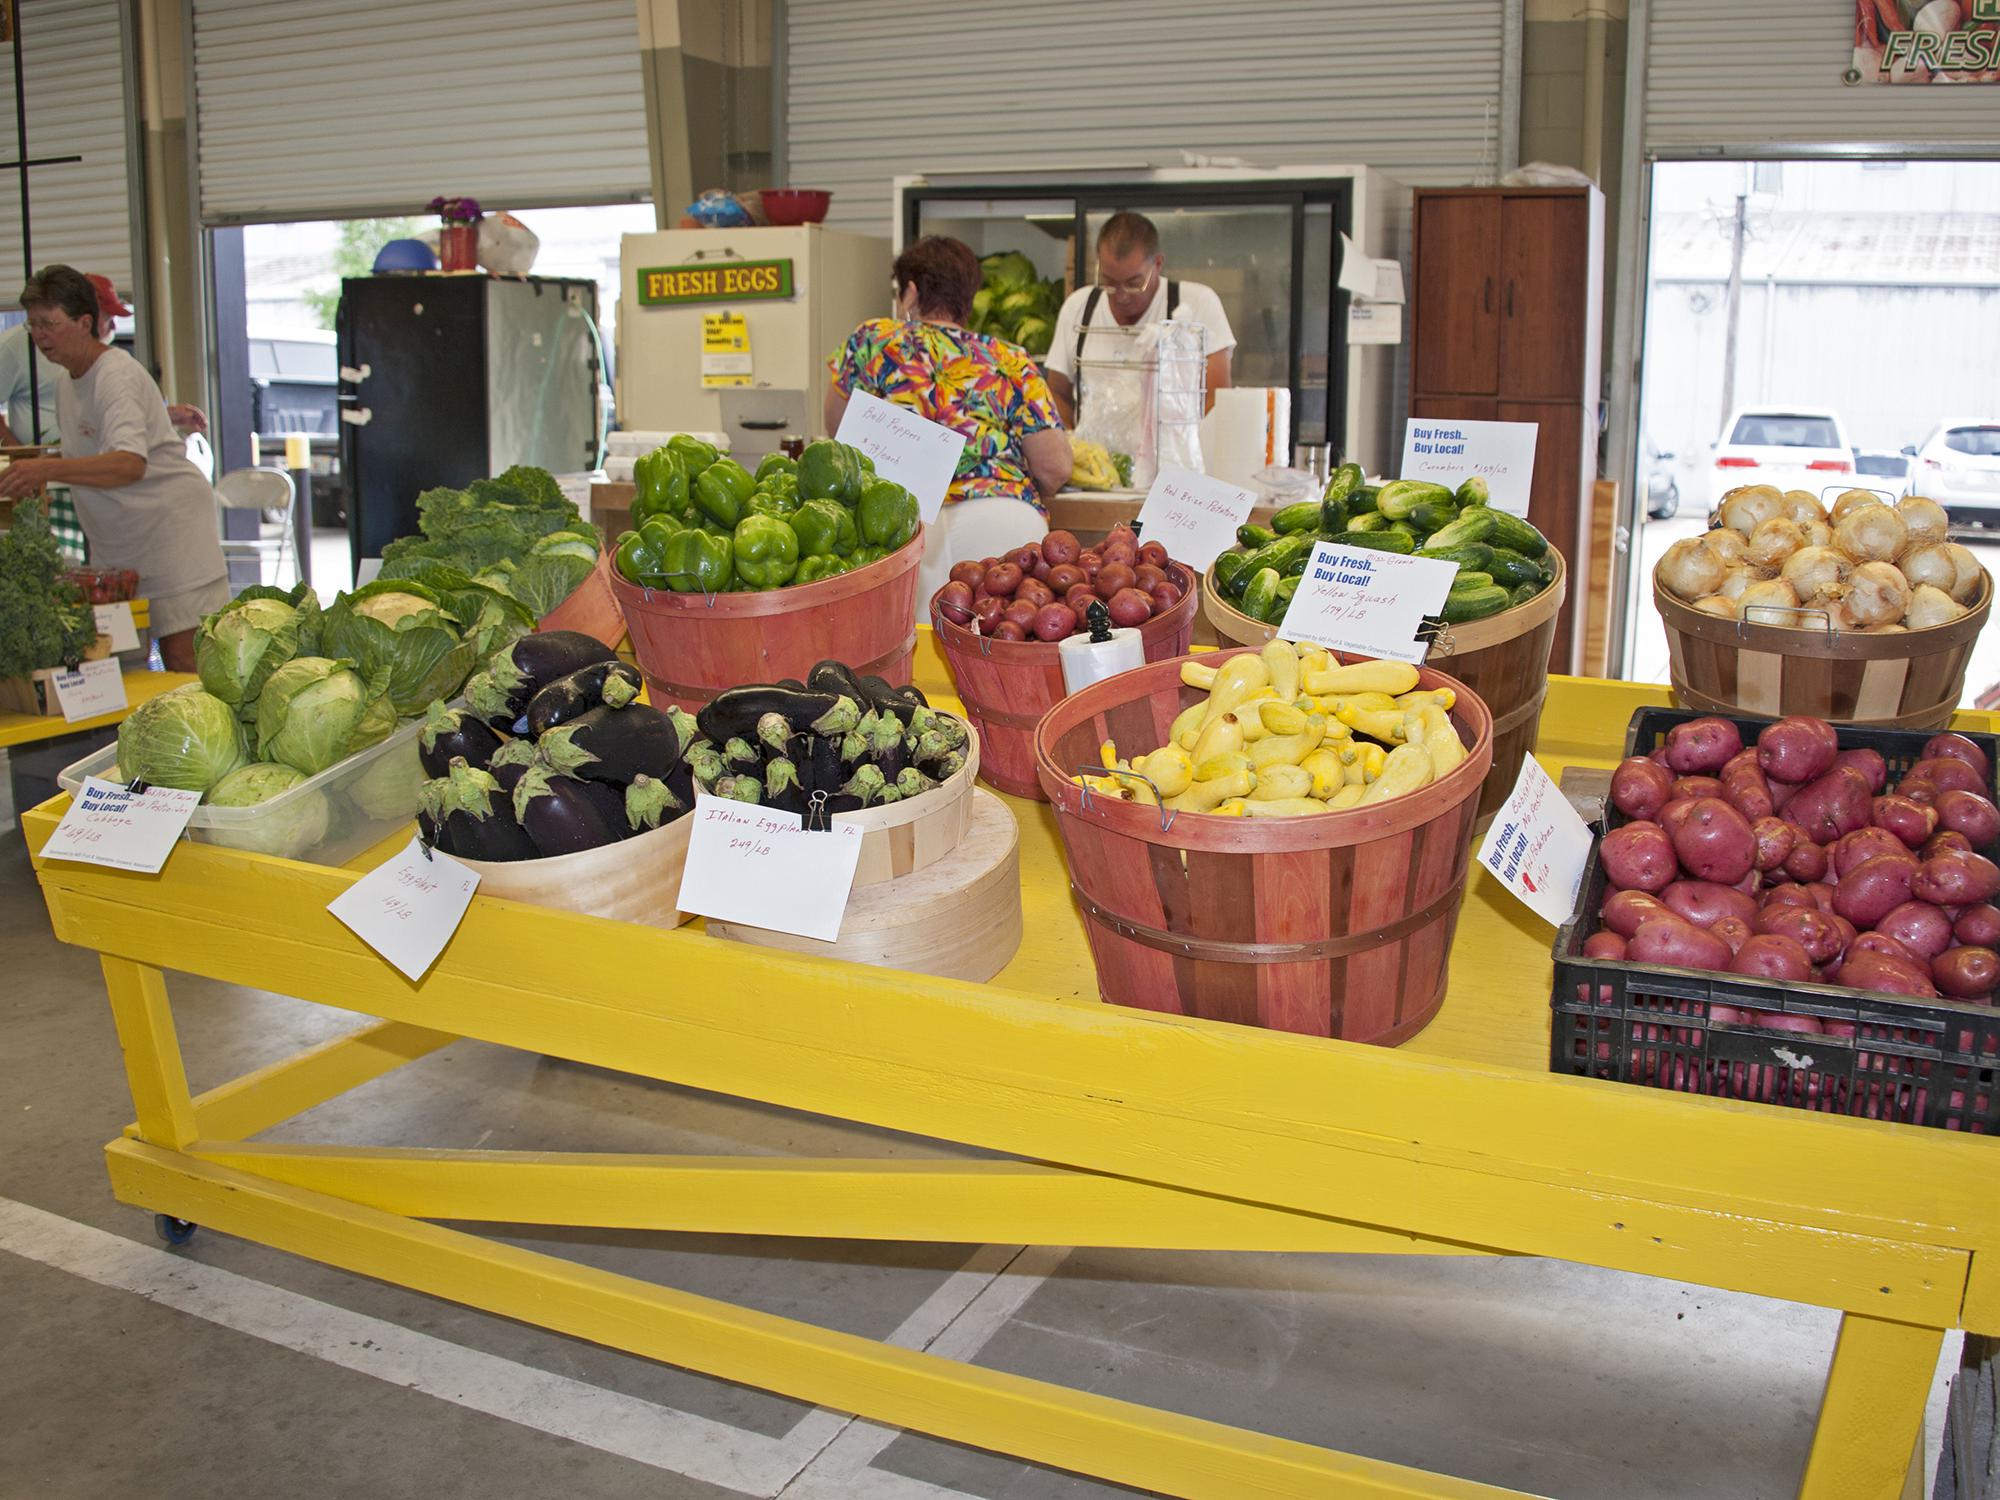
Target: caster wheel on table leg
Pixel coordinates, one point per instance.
(173, 1231)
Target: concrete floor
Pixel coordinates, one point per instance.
(223, 1367)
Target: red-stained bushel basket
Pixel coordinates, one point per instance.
(1334, 924)
(1006, 686)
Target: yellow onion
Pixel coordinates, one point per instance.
(1772, 602)
(1736, 580)
(1689, 570)
(1925, 520)
(1716, 604)
(1945, 566)
(1818, 533)
(1870, 533)
(1748, 506)
(1931, 606)
(1852, 500)
(1877, 594)
(1726, 544)
(1773, 541)
(1816, 573)
(1803, 506)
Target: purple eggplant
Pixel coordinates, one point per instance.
(615, 683)
(510, 762)
(565, 815)
(449, 733)
(649, 803)
(614, 744)
(525, 666)
(472, 818)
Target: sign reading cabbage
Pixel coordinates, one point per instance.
(1015, 304)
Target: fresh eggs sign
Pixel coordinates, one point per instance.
(725, 281)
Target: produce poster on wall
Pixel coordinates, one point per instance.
(1926, 41)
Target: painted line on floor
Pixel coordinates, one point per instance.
(658, 1436)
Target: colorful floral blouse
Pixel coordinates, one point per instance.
(984, 387)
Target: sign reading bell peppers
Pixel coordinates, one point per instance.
(918, 454)
(722, 281)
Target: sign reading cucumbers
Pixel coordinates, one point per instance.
(722, 281)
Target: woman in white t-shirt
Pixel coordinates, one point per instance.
(143, 505)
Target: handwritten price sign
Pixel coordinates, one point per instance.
(1537, 845)
(763, 868)
(1450, 452)
(919, 455)
(1370, 603)
(408, 908)
(108, 824)
(1194, 515)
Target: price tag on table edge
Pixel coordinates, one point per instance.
(1451, 450)
(1194, 515)
(763, 868)
(93, 689)
(919, 454)
(1365, 602)
(112, 825)
(1537, 845)
(407, 907)
(115, 620)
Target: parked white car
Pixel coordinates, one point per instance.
(1958, 466)
(1792, 447)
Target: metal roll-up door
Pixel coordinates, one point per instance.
(1725, 76)
(349, 108)
(877, 88)
(72, 52)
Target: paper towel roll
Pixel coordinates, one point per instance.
(1249, 429)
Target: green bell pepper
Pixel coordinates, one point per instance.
(766, 552)
(634, 558)
(779, 494)
(648, 556)
(830, 471)
(696, 562)
(722, 491)
(887, 514)
(813, 569)
(660, 485)
(694, 455)
(825, 528)
(777, 463)
(863, 556)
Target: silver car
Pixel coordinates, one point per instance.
(1958, 466)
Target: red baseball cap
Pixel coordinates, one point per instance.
(109, 304)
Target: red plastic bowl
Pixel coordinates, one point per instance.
(795, 205)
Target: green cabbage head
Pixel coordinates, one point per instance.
(316, 710)
(296, 828)
(242, 643)
(400, 627)
(188, 738)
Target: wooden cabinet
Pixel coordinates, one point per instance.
(1505, 325)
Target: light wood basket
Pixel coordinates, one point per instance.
(634, 880)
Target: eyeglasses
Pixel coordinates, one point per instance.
(48, 324)
(1137, 286)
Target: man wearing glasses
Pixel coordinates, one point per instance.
(1131, 289)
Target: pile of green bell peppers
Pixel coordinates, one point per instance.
(702, 523)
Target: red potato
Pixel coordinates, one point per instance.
(1002, 579)
(1850, 849)
(1870, 764)
(1119, 552)
(1155, 555)
(1971, 814)
(1797, 749)
(1640, 786)
(1714, 842)
(1768, 955)
(1090, 562)
(1750, 794)
(1733, 931)
(1063, 577)
(1165, 596)
(1788, 895)
(1694, 788)
(1061, 549)
(1875, 887)
(1956, 878)
(1147, 575)
(1035, 592)
(1079, 598)
(1022, 613)
(1822, 894)
(1729, 1015)
(1604, 945)
(1678, 944)
(1130, 607)
(1911, 822)
(1658, 756)
(1676, 809)
(1775, 841)
(1701, 746)
(954, 602)
(1978, 926)
(1943, 839)
(1887, 976)
(1113, 577)
(987, 609)
(1948, 773)
(1055, 622)
(1920, 927)
(1807, 861)
(1625, 912)
(1009, 630)
(1041, 570)
(1918, 789)
(1639, 856)
(1958, 747)
(1025, 557)
(1968, 973)
(1848, 931)
(1831, 805)
(1743, 760)
(1782, 793)
(968, 573)
(1704, 903)
(1777, 1020)
(1808, 926)
(1882, 943)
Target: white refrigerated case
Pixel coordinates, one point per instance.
(837, 280)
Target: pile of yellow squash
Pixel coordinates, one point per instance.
(1286, 732)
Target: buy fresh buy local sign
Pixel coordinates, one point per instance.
(726, 281)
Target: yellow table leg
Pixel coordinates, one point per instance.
(152, 1052)
(1872, 1410)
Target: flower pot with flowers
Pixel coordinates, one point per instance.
(458, 240)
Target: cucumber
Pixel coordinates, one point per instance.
(1303, 516)
(1513, 570)
(1473, 557)
(1524, 593)
(1515, 534)
(1282, 600)
(1404, 528)
(1367, 520)
(1261, 594)
(1473, 492)
(1343, 482)
(1476, 603)
(1251, 537)
(1432, 515)
(1231, 573)
(1401, 496)
(1474, 525)
(1281, 554)
(1379, 541)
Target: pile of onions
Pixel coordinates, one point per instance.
(1865, 565)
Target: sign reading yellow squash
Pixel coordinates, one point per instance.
(724, 281)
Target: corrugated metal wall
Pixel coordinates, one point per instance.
(1725, 74)
(878, 88)
(344, 108)
(72, 54)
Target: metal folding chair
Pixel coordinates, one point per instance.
(262, 490)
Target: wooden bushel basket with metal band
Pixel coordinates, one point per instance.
(1006, 686)
(1908, 679)
(1334, 924)
(1503, 658)
(692, 646)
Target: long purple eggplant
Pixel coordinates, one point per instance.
(614, 744)
(613, 682)
(564, 815)
(449, 733)
(476, 821)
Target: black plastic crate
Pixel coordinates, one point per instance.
(1922, 1062)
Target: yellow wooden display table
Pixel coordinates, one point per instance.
(1133, 1129)
(25, 729)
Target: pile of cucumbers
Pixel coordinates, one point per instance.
(1502, 560)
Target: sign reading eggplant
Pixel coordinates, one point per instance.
(918, 454)
(1908, 41)
(408, 907)
(724, 281)
(1370, 603)
(764, 868)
